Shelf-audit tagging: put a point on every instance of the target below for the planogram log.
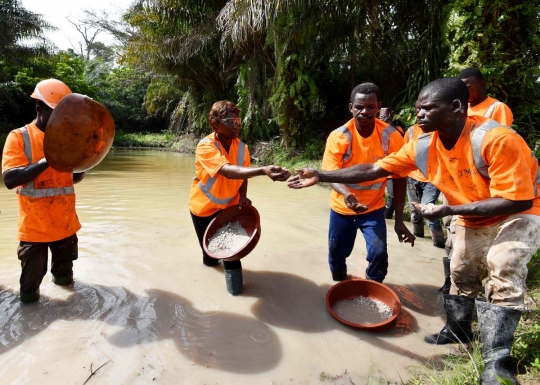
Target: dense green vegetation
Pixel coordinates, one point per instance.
(290, 66)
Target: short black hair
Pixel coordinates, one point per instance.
(366, 88)
(471, 72)
(448, 89)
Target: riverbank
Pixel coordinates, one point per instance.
(460, 367)
(263, 153)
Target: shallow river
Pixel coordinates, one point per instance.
(144, 309)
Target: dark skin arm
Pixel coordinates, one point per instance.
(21, 175)
(403, 233)
(356, 174)
(240, 172)
(485, 208)
(244, 200)
(360, 173)
(351, 200)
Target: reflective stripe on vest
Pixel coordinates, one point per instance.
(410, 132)
(477, 138)
(489, 111)
(29, 190)
(205, 188)
(385, 142)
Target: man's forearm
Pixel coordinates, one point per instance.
(400, 189)
(491, 207)
(240, 172)
(243, 189)
(355, 174)
(21, 175)
(340, 188)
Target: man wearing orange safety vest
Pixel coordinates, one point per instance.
(47, 217)
(491, 180)
(481, 104)
(363, 139)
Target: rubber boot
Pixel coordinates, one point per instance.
(418, 230)
(437, 236)
(234, 281)
(29, 297)
(447, 282)
(459, 311)
(62, 281)
(497, 327)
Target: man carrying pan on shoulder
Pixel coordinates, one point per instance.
(46, 197)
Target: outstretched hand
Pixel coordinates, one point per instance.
(277, 173)
(403, 233)
(306, 177)
(432, 212)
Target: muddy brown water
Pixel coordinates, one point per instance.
(144, 306)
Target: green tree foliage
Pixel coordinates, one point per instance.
(502, 39)
(21, 42)
(181, 39)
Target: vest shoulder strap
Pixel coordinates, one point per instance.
(491, 108)
(422, 150)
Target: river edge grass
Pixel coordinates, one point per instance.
(464, 364)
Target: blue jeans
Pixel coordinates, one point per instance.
(424, 193)
(341, 237)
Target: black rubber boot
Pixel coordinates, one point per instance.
(437, 236)
(445, 289)
(497, 327)
(29, 297)
(234, 281)
(62, 281)
(459, 311)
(388, 212)
(418, 230)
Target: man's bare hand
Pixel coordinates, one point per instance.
(354, 204)
(403, 233)
(306, 177)
(277, 173)
(431, 211)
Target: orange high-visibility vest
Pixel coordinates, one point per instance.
(345, 148)
(46, 204)
(491, 108)
(211, 192)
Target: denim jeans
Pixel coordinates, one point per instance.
(424, 193)
(341, 237)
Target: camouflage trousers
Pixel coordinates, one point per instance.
(499, 254)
